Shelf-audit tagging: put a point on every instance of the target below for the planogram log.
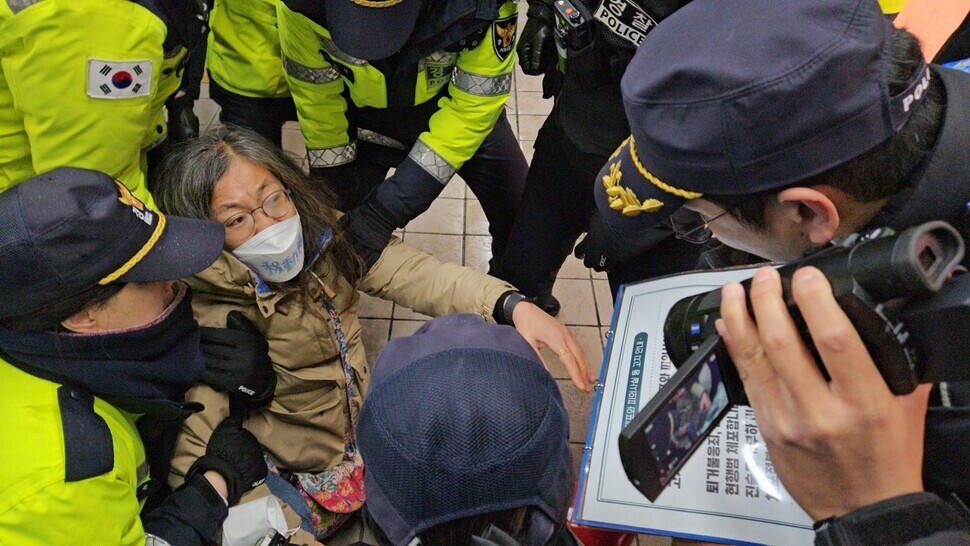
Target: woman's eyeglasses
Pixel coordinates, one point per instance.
(242, 225)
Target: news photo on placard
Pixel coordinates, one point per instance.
(728, 490)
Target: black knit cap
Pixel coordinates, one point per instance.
(462, 419)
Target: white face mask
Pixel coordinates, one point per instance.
(276, 253)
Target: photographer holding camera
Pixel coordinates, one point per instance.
(839, 127)
(848, 450)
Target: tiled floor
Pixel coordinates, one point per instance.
(454, 229)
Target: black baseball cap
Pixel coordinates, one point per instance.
(68, 230)
(371, 29)
(751, 97)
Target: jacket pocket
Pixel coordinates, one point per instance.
(308, 391)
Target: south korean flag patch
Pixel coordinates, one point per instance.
(119, 79)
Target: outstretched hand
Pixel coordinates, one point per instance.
(839, 445)
(540, 330)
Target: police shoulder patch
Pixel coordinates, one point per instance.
(503, 36)
(119, 79)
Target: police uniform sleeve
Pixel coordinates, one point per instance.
(478, 90)
(316, 87)
(99, 510)
(190, 516)
(82, 76)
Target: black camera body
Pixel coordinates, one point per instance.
(898, 294)
(874, 280)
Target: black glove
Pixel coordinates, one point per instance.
(342, 181)
(395, 202)
(368, 232)
(537, 48)
(603, 248)
(183, 124)
(236, 455)
(237, 363)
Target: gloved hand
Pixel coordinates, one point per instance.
(368, 232)
(537, 48)
(236, 455)
(396, 201)
(183, 124)
(237, 363)
(602, 248)
(342, 181)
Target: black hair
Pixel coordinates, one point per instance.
(884, 171)
(49, 318)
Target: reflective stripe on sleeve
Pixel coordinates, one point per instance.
(431, 162)
(16, 6)
(323, 74)
(483, 86)
(332, 156)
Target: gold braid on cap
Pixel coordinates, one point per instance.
(159, 227)
(377, 3)
(623, 199)
(656, 181)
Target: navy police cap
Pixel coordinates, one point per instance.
(371, 29)
(69, 230)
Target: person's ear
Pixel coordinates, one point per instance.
(82, 322)
(813, 210)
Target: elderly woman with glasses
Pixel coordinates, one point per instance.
(287, 268)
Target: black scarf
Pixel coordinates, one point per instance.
(155, 363)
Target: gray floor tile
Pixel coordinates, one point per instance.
(293, 142)
(374, 333)
(604, 301)
(579, 406)
(478, 251)
(573, 268)
(446, 216)
(532, 103)
(405, 327)
(207, 111)
(401, 312)
(371, 307)
(475, 221)
(454, 190)
(529, 126)
(527, 83)
(578, 305)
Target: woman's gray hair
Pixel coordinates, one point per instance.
(184, 184)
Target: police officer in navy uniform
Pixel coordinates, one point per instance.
(586, 124)
(842, 129)
(415, 85)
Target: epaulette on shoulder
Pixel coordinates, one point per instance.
(88, 446)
